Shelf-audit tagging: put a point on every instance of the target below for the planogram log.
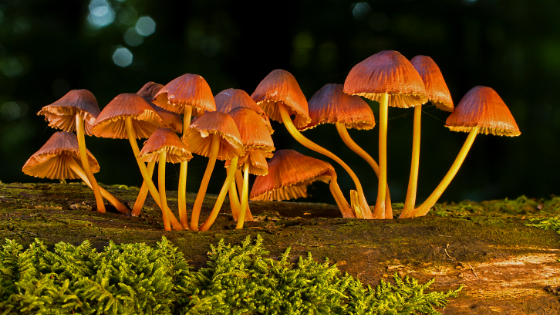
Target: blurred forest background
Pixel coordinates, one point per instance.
(109, 47)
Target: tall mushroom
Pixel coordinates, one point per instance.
(437, 93)
(183, 95)
(289, 174)
(59, 158)
(390, 79)
(215, 136)
(77, 111)
(280, 96)
(164, 146)
(481, 110)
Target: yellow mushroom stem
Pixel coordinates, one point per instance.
(220, 200)
(239, 183)
(433, 198)
(182, 189)
(352, 145)
(244, 196)
(341, 202)
(317, 148)
(74, 166)
(161, 187)
(148, 179)
(413, 180)
(214, 149)
(233, 198)
(143, 193)
(379, 212)
(84, 158)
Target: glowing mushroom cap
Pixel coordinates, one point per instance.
(48, 162)
(229, 99)
(289, 174)
(170, 119)
(331, 105)
(61, 114)
(111, 121)
(436, 88)
(165, 139)
(186, 90)
(198, 140)
(254, 134)
(482, 107)
(280, 86)
(387, 72)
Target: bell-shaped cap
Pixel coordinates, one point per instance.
(186, 90)
(280, 86)
(111, 121)
(229, 99)
(387, 72)
(482, 107)
(436, 88)
(170, 119)
(48, 162)
(61, 114)
(198, 136)
(253, 132)
(289, 174)
(165, 139)
(331, 105)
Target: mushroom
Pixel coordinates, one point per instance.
(437, 93)
(481, 110)
(76, 111)
(129, 116)
(215, 136)
(280, 96)
(170, 120)
(58, 159)
(390, 79)
(164, 145)
(289, 174)
(181, 96)
(331, 105)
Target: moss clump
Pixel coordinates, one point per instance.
(139, 279)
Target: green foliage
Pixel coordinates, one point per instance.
(139, 279)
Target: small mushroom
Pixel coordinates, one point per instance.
(229, 99)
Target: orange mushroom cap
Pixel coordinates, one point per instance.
(387, 72)
(61, 113)
(111, 121)
(186, 90)
(482, 107)
(171, 120)
(48, 161)
(198, 140)
(331, 105)
(229, 99)
(253, 132)
(289, 174)
(280, 86)
(436, 88)
(165, 139)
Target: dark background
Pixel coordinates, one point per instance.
(49, 47)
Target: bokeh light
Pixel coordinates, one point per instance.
(122, 57)
(100, 14)
(132, 38)
(145, 26)
(13, 110)
(12, 67)
(361, 10)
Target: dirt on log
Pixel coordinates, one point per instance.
(505, 266)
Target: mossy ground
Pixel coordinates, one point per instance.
(443, 244)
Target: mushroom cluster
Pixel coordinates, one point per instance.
(235, 127)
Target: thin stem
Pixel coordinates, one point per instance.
(413, 180)
(161, 186)
(433, 198)
(107, 195)
(143, 193)
(345, 136)
(339, 197)
(239, 184)
(244, 196)
(220, 200)
(317, 148)
(84, 158)
(182, 189)
(233, 198)
(214, 149)
(379, 212)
